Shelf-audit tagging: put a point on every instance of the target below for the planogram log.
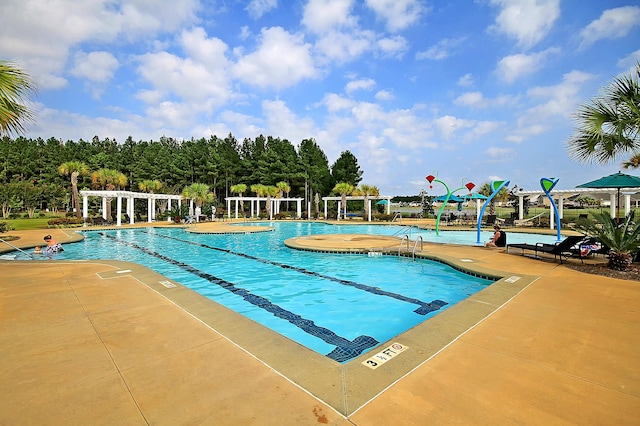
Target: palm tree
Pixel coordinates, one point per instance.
(75, 169)
(239, 189)
(344, 189)
(199, 193)
(108, 179)
(270, 191)
(283, 188)
(609, 126)
(150, 186)
(259, 189)
(623, 240)
(16, 88)
(632, 163)
(367, 191)
(502, 195)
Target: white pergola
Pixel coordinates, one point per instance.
(130, 198)
(255, 205)
(355, 197)
(561, 194)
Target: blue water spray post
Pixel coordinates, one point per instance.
(496, 186)
(431, 179)
(547, 185)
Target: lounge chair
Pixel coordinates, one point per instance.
(564, 249)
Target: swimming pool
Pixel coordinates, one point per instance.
(338, 306)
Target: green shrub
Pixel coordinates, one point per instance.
(62, 222)
(5, 227)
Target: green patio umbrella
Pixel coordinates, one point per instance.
(614, 181)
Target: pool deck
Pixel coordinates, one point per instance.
(93, 342)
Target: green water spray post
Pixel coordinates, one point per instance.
(431, 179)
(496, 186)
(547, 185)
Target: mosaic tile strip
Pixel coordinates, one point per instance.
(423, 307)
(345, 348)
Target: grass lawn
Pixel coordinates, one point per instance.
(24, 224)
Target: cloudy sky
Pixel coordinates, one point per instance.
(465, 89)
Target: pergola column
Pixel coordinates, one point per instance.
(520, 207)
(169, 208)
(627, 204)
(299, 208)
(104, 208)
(236, 208)
(149, 215)
(130, 210)
(85, 207)
(118, 210)
(612, 197)
(326, 211)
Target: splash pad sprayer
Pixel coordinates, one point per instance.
(547, 185)
(431, 178)
(496, 186)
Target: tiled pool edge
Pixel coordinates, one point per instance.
(346, 387)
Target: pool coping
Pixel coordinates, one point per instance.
(346, 387)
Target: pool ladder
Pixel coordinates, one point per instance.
(415, 246)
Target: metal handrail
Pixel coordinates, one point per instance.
(405, 228)
(413, 253)
(396, 216)
(405, 237)
(17, 248)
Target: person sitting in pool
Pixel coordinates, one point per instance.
(52, 245)
(37, 250)
(499, 238)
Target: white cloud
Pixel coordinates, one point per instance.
(43, 37)
(257, 8)
(466, 80)
(502, 154)
(208, 87)
(398, 14)
(478, 100)
(440, 50)
(471, 99)
(393, 46)
(340, 47)
(322, 16)
(557, 102)
(384, 95)
(612, 24)
(285, 123)
(528, 21)
(448, 125)
(629, 62)
(95, 66)
(512, 67)
(281, 60)
(365, 84)
(336, 103)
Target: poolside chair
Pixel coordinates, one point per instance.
(564, 249)
(489, 220)
(508, 222)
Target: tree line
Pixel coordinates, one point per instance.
(35, 172)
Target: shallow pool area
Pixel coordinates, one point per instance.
(339, 306)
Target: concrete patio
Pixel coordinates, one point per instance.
(106, 342)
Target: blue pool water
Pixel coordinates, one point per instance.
(337, 305)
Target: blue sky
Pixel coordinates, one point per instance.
(476, 90)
